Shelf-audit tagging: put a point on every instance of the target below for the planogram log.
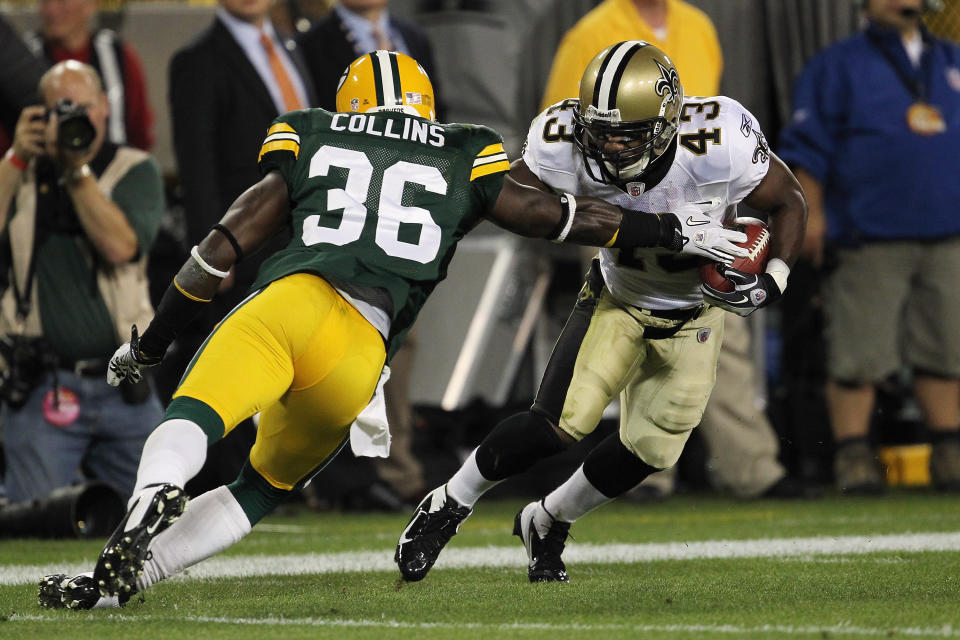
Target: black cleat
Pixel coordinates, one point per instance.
(60, 591)
(436, 520)
(122, 559)
(546, 565)
(50, 594)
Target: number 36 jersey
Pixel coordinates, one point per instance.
(721, 155)
(380, 200)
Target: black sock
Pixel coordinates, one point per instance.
(613, 469)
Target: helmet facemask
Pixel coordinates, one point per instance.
(643, 140)
(630, 95)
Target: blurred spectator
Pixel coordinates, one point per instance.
(84, 214)
(684, 32)
(19, 73)
(873, 140)
(226, 87)
(743, 447)
(356, 27)
(539, 50)
(66, 34)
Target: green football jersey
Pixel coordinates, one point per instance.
(380, 199)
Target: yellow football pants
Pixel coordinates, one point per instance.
(305, 358)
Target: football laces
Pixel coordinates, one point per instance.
(758, 244)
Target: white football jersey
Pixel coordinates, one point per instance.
(721, 157)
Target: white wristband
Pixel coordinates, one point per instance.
(780, 272)
(572, 203)
(195, 254)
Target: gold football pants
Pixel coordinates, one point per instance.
(606, 349)
(305, 358)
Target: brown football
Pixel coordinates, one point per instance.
(758, 242)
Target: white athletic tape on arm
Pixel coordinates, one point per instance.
(572, 203)
(195, 254)
(780, 272)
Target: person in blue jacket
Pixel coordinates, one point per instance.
(874, 142)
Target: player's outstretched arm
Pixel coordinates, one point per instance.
(250, 221)
(525, 208)
(533, 213)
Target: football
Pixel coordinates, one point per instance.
(758, 243)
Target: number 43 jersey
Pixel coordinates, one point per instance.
(380, 200)
(719, 157)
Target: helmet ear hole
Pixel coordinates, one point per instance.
(630, 90)
(386, 81)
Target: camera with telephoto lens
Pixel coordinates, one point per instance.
(75, 131)
(28, 360)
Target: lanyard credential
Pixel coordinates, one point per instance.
(923, 118)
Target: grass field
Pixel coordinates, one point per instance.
(692, 567)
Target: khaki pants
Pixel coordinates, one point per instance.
(742, 444)
(606, 350)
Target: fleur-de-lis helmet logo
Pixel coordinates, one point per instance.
(668, 85)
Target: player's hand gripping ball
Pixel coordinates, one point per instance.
(757, 243)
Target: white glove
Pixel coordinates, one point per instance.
(696, 233)
(126, 363)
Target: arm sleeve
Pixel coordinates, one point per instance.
(281, 146)
(139, 194)
(809, 141)
(490, 165)
(749, 153)
(139, 116)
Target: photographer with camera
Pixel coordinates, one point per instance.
(83, 213)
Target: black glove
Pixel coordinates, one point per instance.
(751, 291)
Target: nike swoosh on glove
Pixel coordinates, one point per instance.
(751, 291)
(701, 235)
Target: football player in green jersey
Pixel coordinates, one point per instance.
(378, 195)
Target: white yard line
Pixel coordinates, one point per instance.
(478, 557)
(737, 630)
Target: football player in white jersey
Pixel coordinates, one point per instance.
(643, 326)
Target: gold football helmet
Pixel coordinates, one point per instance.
(386, 81)
(630, 95)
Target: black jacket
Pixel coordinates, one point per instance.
(220, 111)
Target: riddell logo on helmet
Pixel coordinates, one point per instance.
(610, 115)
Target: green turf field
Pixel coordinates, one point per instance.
(692, 567)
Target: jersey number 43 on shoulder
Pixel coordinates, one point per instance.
(697, 142)
(390, 213)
